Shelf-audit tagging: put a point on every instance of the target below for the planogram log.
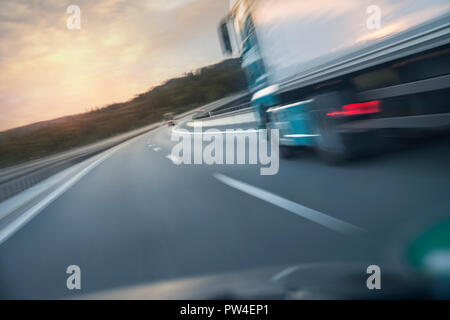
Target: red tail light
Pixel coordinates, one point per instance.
(358, 108)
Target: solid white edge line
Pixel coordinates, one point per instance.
(302, 211)
(30, 213)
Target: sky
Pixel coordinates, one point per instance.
(123, 48)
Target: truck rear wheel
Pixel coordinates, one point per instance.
(332, 145)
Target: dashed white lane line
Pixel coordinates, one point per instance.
(156, 149)
(302, 211)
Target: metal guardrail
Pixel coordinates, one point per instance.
(231, 109)
(16, 179)
(241, 102)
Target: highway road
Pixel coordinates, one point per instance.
(138, 218)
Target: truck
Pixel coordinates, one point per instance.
(337, 75)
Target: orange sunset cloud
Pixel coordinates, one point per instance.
(122, 48)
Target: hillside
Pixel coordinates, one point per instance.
(178, 95)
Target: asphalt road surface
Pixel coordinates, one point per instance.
(138, 218)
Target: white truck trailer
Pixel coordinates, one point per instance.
(332, 74)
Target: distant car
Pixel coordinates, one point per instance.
(169, 119)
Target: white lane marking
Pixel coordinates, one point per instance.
(302, 211)
(10, 229)
(29, 214)
(156, 149)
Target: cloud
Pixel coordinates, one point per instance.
(123, 48)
